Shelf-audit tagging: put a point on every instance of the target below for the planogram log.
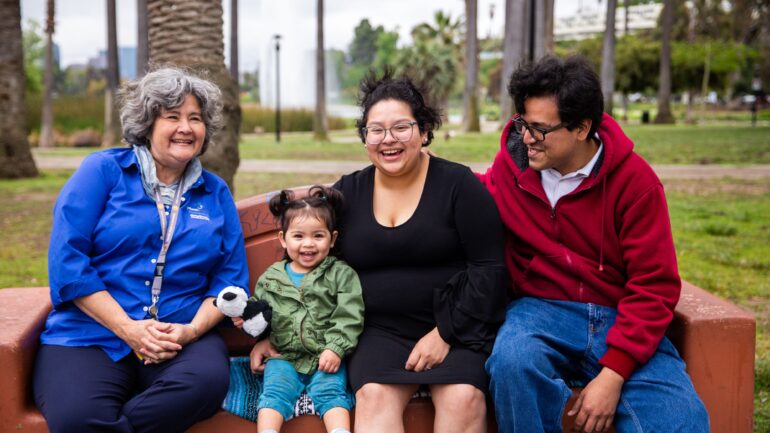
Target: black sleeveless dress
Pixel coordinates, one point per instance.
(442, 267)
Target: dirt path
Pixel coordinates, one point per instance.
(340, 167)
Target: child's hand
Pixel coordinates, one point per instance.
(260, 353)
(238, 322)
(329, 361)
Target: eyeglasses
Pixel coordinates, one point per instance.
(537, 133)
(375, 135)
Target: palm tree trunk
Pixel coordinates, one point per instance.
(46, 127)
(548, 11)
(513, 52)
(234, 40)
(188, 33)
(15, 157)
(111, 124)
(626, 5)
(470, 91)
(608, 57)
(540, 28)
(142, 57)
(664, 82)
(320, 121)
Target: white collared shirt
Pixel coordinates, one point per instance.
(557, 186)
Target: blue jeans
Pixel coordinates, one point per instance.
(283, 386)
(546, 346)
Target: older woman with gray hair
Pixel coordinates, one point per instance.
(143, 239)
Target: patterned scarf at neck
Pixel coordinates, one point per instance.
(150, 176)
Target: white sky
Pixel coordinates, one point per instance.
(80, 24)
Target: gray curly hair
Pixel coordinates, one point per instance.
(166, 88)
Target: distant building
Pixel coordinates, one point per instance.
(587, 23)
(126, 62)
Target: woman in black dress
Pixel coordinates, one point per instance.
(427, 242)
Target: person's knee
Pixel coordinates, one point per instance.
(462, 401)
(79, 419)
(517, 356)
(373, 398)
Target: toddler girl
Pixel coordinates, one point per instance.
(317, 313)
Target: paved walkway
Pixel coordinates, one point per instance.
(340, 167)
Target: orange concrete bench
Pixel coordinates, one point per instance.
(716, 340)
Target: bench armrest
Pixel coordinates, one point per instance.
(716, 339)
(22, 316)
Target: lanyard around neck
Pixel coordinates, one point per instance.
(167, 233)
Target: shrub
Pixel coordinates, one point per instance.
(262, 118)
(71, 112)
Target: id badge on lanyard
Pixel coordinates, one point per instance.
(167, 233)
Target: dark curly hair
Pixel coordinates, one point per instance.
(374, 89)
(572, 81)
(321, 202)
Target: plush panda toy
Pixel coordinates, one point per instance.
(256, 314)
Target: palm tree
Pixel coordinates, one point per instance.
(46, 127)
(664, 83)
(433, 68)
(432, 61)
(15, 157)
(111, 123)
(513, 51)
(142, 56)
(320, 122)
(188, 33)
(444, 30)
(608, 56)
(234, 40)
(471, 89)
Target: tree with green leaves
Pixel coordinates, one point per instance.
(433, 68)
(364, 46)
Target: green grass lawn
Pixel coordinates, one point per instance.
(659, 144)
(721, 230)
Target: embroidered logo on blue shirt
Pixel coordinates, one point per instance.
(196, 212)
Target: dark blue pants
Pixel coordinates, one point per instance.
(80, 389)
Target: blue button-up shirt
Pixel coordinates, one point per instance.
(106, 235)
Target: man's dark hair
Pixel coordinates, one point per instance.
(572, 81)
(374, 89)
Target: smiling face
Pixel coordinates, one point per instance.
(392, 157)
(176, 138)
(563, 150)
(307, 242)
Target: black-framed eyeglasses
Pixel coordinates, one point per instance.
(375, 134)
(537, 133)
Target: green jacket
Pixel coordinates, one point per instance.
(325, 312)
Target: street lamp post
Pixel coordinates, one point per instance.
(277, 39)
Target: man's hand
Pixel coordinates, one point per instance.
(329, 361)
(260, 353)
(596, 404)
(429, 352)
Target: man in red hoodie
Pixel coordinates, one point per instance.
(592, 265)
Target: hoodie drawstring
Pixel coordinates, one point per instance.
(601, 229)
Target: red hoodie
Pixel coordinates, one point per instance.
(608, 242)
